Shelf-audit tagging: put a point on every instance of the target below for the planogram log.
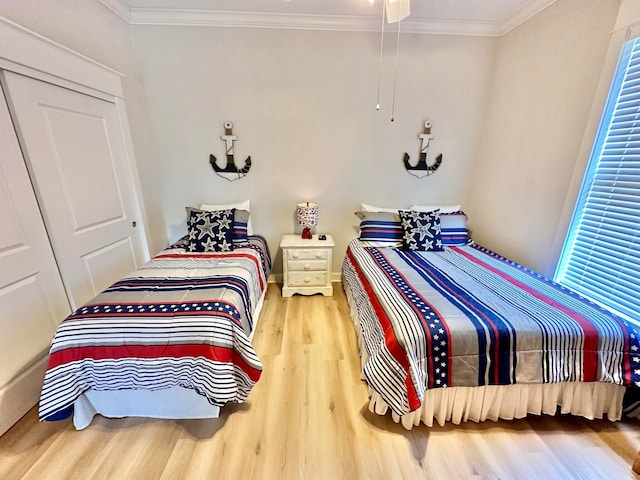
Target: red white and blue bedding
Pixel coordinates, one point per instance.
(466, 317)
(181, 320)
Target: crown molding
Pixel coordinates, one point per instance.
(524, 14)
(352, 23)
(218, 18)
(44, 59)
(119, 7)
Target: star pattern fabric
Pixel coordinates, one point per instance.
(634, 342)
(437, 364)
(149, 308)
(421, 231)
(210, 231)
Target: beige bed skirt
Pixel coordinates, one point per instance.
(492, 402)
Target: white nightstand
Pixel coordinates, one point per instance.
(306, 265)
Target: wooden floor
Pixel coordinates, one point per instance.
(307, 418)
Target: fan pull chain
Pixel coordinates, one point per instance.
(395, 75)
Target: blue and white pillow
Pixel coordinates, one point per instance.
(421, 231)
(380, 229)
(453, 228)
(240, 228)
(210, 231)
(245, 205)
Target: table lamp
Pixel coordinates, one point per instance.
(307, 215)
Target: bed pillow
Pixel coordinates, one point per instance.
(210, 231)
(380, 229)
(453, 228)
(246, 205)
(421, 231)
(240, 224)
(240, 227)
(372, 208)
(440, 208)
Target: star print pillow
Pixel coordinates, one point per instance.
(421, 231)
(210, 231)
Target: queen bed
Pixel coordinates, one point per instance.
(450, 331)
(173, 338)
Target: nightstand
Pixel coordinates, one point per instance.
(306, 265)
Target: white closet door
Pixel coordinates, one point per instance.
(32, 297)
(74, 149)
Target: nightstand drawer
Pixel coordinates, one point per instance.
(306, 279)
(307, 265)
(299, 254)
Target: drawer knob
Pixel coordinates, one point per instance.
(295, 255)
(318, 254)
(307, 266)
(307, 280)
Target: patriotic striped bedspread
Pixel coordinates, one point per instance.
(467, 317)
(182, 319)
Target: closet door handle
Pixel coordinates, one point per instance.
(134, 224)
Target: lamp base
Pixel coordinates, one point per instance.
(306, 233)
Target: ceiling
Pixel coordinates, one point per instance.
(467, 17)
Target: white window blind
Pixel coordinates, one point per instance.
(601, 255)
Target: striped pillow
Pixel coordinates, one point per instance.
(380, 229)
(384, 229)
(453, 228)
(240, 228)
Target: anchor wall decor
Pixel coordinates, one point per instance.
(230, 171)
(422, 169)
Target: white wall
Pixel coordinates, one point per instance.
(545, 77)
(90, 28)
(512, 117)
(303, 106)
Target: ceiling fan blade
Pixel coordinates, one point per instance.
(397, 10)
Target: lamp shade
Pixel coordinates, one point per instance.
(307, 214)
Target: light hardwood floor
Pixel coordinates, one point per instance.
(307, 418)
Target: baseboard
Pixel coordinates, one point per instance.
(21, 394)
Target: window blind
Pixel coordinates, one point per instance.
(601, 255)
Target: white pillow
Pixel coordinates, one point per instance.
(431, 208)
(373, 208)
(246, 205)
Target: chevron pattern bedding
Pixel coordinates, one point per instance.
(183, 319)
(467, 317)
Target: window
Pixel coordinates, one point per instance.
(601, 254)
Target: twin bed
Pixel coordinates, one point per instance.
(447, 330)
(173, 338)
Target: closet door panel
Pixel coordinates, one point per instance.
(32, 297)
(75, 151)
(85, 167)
